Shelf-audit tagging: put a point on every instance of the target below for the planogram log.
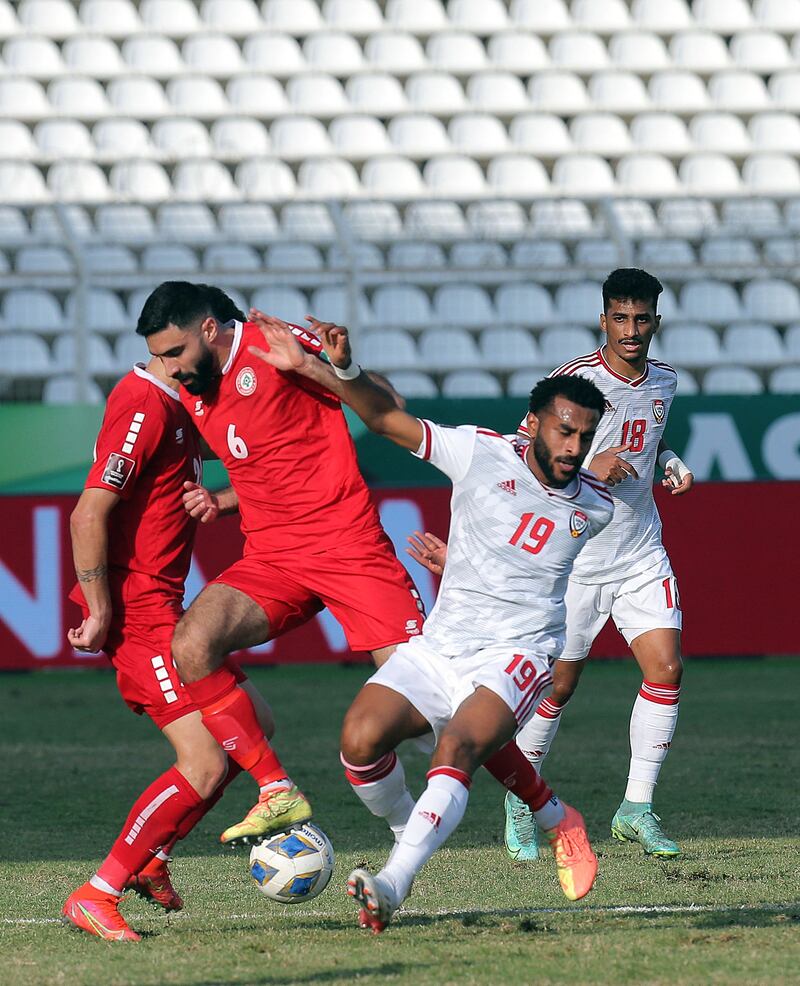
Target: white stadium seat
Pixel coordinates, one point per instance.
(754, 344)
(791, 342)
(463, 304)
(104, 258)
(297, 138)
(521, 382)
(579, 302)
(16, 141)
(471, 383)
(361, 136)
(388, 349)
(579, 51)
(536, 254)
(105, 312)
(775, 132)
(711, 301)
(478, 16)
(543, 17)
(724, 16)
(309, 221)
(78, 97)
(514, 51)
(248, 222)
(771, 300)
(181, 137)
(378, 93)
(43, 260)
(500, 93)
(25, 356)
(98, 57)
(216, 55)
(603, 16)
(779, 15)
(562, 93)
(454, 176)
(557, 345)
(119, 138)
(129, 350)
(411, 255)
(601, 133)
(439, 220)
(153, 55)
(100, 358)
(204, 180)
(110, 18)
(419, 135)
(420, 17)
(333, 304)
(602, 254)
(358, 17)
(316, 94)
(763, 52)
(281, 53)
(237, 18)
(635, 217)
(508, 349)
(505, 220)
(265, 178)
(448, 349)
(236, 137)
(679, 92)
(478, 254)
(785, 380)
(693, 346)
(36, 58)
(721, 132)
(65, 390)
(639, 51)
(328, 178)
(692, 218)
(739, 92)
(784, 90)
(782, 251)
(140, 181)
(125, 223)
(619, 92)
(176, 18)
(373, 220)
(23, 99)
(524, 304)
(51, 18)
(732, 380)
(728, 251)
(517, 175)
(458, 52)
(138, 97)
(401, 305)
(13, 225)
(654, 254)
(710, 174)
(392, 177)
(771, 174)
(542, 134)
(396, 52)
(197, 96)
(412, 383)
(296, 17)
(47, 227)
(569, 219)
(334, 52)
(62, 139)
(439, 93)
(661, 133)
(32, 309)
(185, 222)
(583, 174)
(703, 52)
(647, 174)
(662, 16)
(293, 257)
(78, 181)
(287, 303)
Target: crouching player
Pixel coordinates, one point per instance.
(482, 663)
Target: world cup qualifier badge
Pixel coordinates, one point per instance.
(246, 381)
(658, 411)
(578, 523)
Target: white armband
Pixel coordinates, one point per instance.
(668, 460)
(350, 373)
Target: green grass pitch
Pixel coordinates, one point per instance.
(73, 758)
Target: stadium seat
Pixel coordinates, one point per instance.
(471, 383)
(603, 16)
(728, 252)
(420, 17)
(500, 93)
(43, 260)
(360, 137)
(265, 178)
(438, 220)
(391, 177)
(176, 18)
(334, 304)
(388, 349)
(661, 16)
(647, 174)
(503, 220)
(293, 257)
(579, 51)
(791, 343)
(129, 350)
(13, 225)
(561, 93)
(237, 137)
(152, 55)
(439, 93)
(299, 138)
(250, 222)
(47, 225)
(700, 51)
(580, 302)
(333, 52)
(544, 17)
(179, 138)
(78, 97)
(782, 251)
(216, 55)
(25, 356)
(23, 99)
(771, 174)
(358, 17)
(36, 58)
(478, 254)
(361, 256)
(458, 52)
(536, 254)
(197, 96)
(785, 380)
(692, 346)
(467, 305)
(711, 301)
(542, 134)
(237, 18)
(139, 97)
(775, 132)
(635, 217)
(710, 174)
(65, 390)
(600, 133)
(779, 15)
(286, 303)
(772, 300)
(172, 258)
(315, 94)
(454, 176)
(754, 344)
(373, 220)
(619, 92)
(49, 18)
(479, 135)
(515, 175)
(792, 214)
(557, 345)
(448, 349)
(377, 93)
(508, 349)
(419, 135)
(583, 174)
(752, 217)
(724, 133)
(410, 255)
(105, 258)
(105, 312)
(309, 221)
(639, 51)
(16, 141)
(296, 17)
(691, 218)
(58, 139)
(661, 133)
(723, 16)
(678, 91)
(654, 254)
(185, 222)
(739, 92)
(401, 305)
(732, 380)
(327, 178)
(98, 57)
(602, 254)
(99, 356)
(514, 51)
(567, 219)
(412, 383)
(280, 52)
(524, 304)
(78, 181)
(119, 139)
(110, 18)
(762, 52)
(521, 382)
(125, 223)
(396, 52)
(478, 16)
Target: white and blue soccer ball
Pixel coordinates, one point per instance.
(293, 866)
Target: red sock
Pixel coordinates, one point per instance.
(155, 816)
(229, 716)
(512, 768)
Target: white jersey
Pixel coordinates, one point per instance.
(512, 544)
(636, 413)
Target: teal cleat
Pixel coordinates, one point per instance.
(522, 832)
(636, 822)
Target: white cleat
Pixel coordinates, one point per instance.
(375, 897)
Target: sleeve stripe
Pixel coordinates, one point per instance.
(427, 439)
(487, 431)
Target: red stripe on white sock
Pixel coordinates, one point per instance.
(549, 709)
(453, 772)
(371, 772)
(660, 694)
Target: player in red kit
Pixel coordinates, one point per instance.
(313, 538)
(132, 542)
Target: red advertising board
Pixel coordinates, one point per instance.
(734, 547)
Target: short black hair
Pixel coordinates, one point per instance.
(577, 389)
(631, 283)
(181, 303)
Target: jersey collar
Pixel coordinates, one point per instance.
(237, 341)
(617, 376)
(141, 371)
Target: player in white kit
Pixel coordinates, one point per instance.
(521, 514)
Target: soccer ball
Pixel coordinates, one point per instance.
(293, 866)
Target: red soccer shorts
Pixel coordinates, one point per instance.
(362, 584)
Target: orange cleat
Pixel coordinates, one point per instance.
(97, 913)
(577, 864)
(153, 883)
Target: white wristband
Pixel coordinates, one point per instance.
(350, 373)
(677, 467)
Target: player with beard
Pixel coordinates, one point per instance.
(313, 538)
(476, 674)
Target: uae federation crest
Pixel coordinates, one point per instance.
(246, 381)
(658, 411)
(578, 523)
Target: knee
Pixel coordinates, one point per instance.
(204, 769)
(563, 691)
(190, 653)
(363, 739)
(669, 670)
(459, 751)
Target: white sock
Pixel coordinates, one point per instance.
(100, 884)
(550, 814)
(381, 787)
(653, 721)
(537, 734)
(282, 784)
(436, 815)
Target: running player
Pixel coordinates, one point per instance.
(312, 533)
(132, 543)
(482, 663)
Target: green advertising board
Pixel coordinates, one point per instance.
(48, 450)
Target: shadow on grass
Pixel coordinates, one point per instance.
(386, 970)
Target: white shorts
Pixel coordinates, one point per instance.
(647, 601)
(436, 685)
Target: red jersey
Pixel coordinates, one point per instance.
(145, 451)
(287, 449)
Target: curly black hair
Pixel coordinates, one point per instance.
(631, 283)
(181, 303)
(577, 389)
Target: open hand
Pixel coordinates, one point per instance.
(282, 350)
(429, 550)
(675, 484)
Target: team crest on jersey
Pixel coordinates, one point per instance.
(658, 411)
(246, 381)
(118, 470)
(578, 523)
